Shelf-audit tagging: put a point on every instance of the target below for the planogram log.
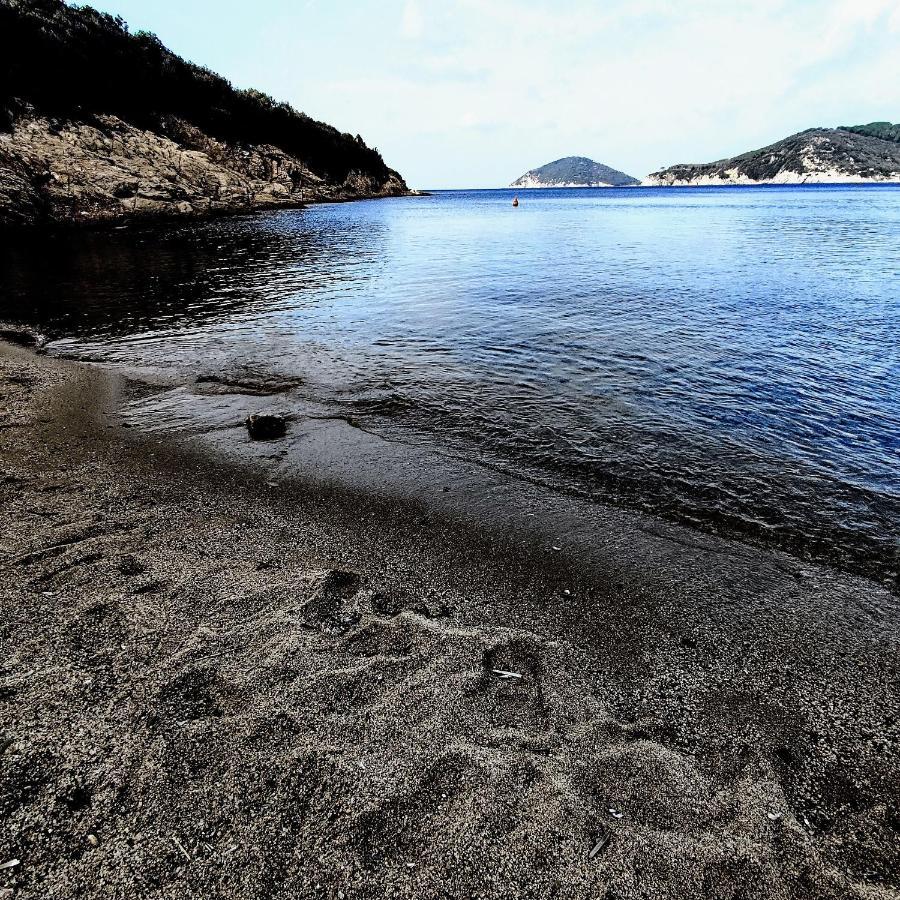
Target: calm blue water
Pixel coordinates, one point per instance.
(726, 357)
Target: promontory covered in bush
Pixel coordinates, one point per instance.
(99, 124)
(574, 171)
(854, 153)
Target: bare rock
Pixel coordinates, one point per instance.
(107, 170)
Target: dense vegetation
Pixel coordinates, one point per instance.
(858, 152)
(883, 130)
(71, 62)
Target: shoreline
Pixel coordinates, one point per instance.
(216, 687)
(210, 411)
(28, 231)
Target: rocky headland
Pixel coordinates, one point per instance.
(99, 125)
(848, 154)
(574, 171)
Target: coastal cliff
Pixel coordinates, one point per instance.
(99, 125)
(574, 171)
(848, 154)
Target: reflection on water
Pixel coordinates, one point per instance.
(125, 283)
(726, 357)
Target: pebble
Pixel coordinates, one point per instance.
(93, 840)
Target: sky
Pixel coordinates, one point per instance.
(471, 93)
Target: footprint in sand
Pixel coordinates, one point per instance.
(511, 686)
(328, 604)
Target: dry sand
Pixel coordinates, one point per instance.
(210, 688)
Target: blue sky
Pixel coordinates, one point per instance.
(463, 93)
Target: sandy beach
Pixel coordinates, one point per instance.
(213, 687)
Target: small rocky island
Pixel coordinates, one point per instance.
(97, 124)
(574, 171)
(849, 153)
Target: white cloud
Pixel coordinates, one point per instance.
(412, 22)
(490, 89)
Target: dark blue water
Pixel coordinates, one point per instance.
(727, 357)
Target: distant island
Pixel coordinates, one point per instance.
(574, 171)
(97, 124)
(849, 153)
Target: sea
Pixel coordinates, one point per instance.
(724, 358)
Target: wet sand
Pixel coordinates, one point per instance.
(213, 687)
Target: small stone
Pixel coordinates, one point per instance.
(93, 840)
(266, 426)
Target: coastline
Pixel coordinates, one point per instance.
(33, 230)
(792, 179)
(213, 684)
(58, 175)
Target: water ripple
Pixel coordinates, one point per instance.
(725, 357)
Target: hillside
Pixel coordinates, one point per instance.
(100, 124)
(863, 153)
(574, 171)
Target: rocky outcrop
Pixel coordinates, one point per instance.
(101, 125)
(105, 169)
(574, 171)
(816, 156)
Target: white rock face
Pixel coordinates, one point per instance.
(829, 176)
(531, 181)
(109, 170)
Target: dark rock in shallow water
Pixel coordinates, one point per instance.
(247, 381)
(21, 336)
(266, 427)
